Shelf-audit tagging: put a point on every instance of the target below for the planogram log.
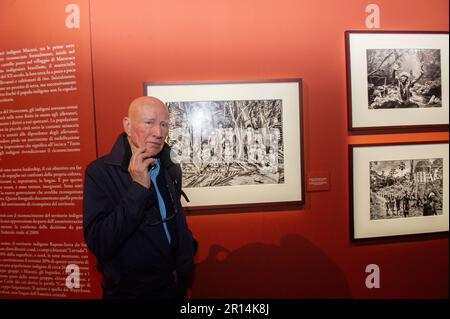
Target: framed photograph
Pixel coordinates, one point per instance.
(397, 80)
(398, 189)
(238, 143)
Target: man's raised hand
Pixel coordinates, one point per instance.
(139, 165)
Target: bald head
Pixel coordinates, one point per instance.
(144, 102)
(147, 123)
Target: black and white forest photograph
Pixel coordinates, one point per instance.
(406, 188)
(404, 78)
(227, 143)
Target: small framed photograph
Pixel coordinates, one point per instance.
(397, 80)
(238, 143)
(398, 189)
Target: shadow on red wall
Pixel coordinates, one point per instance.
(294, 269)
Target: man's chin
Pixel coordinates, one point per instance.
(153, 148)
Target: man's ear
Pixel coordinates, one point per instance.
(126, 125)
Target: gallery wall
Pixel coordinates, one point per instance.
(298, 253)
(302, 252)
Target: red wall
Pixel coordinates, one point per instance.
(300, 253)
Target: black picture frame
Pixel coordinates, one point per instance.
(375, 104)
(381, 175)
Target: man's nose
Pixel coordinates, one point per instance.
(157, 131)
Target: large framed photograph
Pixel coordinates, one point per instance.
(397, 80)
(398, 189)
(238, 143)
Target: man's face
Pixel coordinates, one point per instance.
(403, 78)
(147, 127)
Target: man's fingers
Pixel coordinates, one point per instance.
(149, 161)
(136, 154)
(145, 160)
(142, 155)
(139, 150)
(146, 155)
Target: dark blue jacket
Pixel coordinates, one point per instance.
(119, 217)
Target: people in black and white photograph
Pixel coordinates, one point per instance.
(227, 143)
(406, 188)
(404, 78)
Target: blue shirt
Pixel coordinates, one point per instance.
(154, 171)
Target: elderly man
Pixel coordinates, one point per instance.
(132, 217)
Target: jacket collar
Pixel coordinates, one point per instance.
(120, 154)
